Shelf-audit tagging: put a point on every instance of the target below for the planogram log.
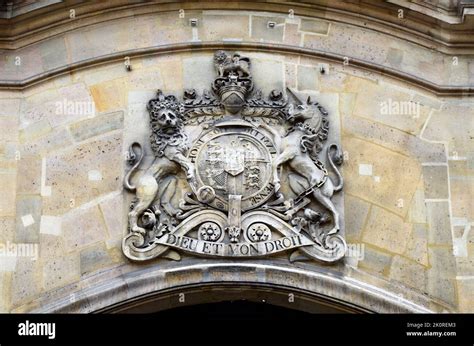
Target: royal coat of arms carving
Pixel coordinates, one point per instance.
(252, 176)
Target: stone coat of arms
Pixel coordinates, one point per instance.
(235, 175)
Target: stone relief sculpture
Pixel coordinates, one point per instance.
(236, 175)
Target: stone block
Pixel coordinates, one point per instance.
(393, 139)
(218, 27)
(110, 208)
(466, 295)
(439, 223)
(270, 72)
(198, 72)
(7, 229)
(261, 31)
(408, 273)
(9, 126)
(60, 271)
(7, 263)
(94, 257)
(172, 74)
(417, 211)
(83, 227)
(461, 179)
(98, 125)
(417, 247)
(4, 297)
(28, 232)
(465, 266)
(35, 130)
(398, 175)
(9, 107)
(110, 95)
(29, 179)
(53, 53)
(67, 173)
(394, 57)
(290, 75)
(50, 225)
(388, 104)
(26, 281)
(386, 231)
(8, 193)
(442, 274)
(442, 289)
(375, 261)
(51, 141)
(436, 182)
(355, 214)
(291, 35)
(444, 125)
(314, 26)
(308, 78)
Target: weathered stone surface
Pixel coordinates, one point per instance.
(83, 227)
(51, 141)
(261, 31)
(9, 126)
(29, 179)
(441, 275)
(314, 26)
(224, 27)
(389, 191)
(465, 266)
(9, 106)
(7, 229)
(53, 53)
(111, 95)
(387, 104)
(67, 173)
(409, 273)
(28, 205)
(270, 71)
(375, 261)
(436, 182)
(98, 125)
(197, 72)
(417, 247)
(417, 211)
(290, 75)
(394, 57)
(94, 257)
(461, 179)
(292, 35)
(466, 294)
(4, 296)
(445, 125)
(110, 208)
(355, 213)
(50, 225)
(60, 271)
(307, 78)
(26, 281)
(439, 223)
(8, 193)
(395, 140)
(386, 230)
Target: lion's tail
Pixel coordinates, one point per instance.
(135, 161)
(338, 158)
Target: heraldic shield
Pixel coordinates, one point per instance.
(235, 175)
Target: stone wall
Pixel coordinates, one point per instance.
(408, 177)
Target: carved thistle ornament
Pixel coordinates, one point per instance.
(235, 175)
